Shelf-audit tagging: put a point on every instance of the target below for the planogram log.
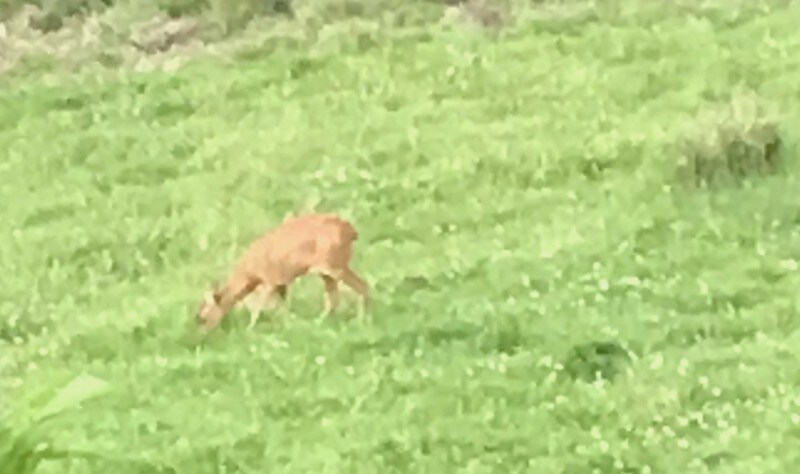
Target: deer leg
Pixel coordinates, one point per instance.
(256, 304)
(282, 292)
(265, 301)
(355, 282)
(331, 295)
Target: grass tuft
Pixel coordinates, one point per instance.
(596, 360)
(736, 141)
(23, 449)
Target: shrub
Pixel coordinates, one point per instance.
(180, 8)
(54, 12)
(596, 359)
(316, 13)
(732, 142)
(231, 15)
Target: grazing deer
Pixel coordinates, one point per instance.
(310, 243)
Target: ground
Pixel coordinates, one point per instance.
(548, 295)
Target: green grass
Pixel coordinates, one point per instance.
(517, 206)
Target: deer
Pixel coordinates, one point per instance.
(313, 243)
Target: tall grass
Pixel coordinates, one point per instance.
(26, 444)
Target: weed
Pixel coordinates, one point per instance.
(737, 141)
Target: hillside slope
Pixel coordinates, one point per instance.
(521, 223)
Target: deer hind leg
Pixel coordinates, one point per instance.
(355, 282)
(342, 273)
(349, 278)
(331, 294)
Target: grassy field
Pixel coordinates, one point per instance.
(521, 224)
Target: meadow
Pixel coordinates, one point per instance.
(550, 294)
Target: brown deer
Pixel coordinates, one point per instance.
(309, 243)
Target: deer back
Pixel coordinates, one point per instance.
(312, 242)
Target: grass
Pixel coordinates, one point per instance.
(548, 297)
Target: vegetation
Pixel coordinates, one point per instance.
(737, 141)
(551, 293)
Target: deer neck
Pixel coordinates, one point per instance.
(234, 291)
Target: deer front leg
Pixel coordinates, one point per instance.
(263, 300)
(256, 304)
